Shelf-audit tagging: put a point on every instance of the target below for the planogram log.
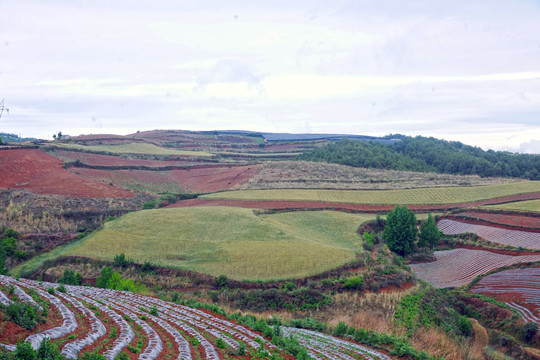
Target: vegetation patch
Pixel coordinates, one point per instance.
(234, 242)
(441, 195)
(132, 148)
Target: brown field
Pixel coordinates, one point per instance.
(40, 173)
(196, 179)
(370, 208)
(504, 220)
(109, 160)
(310, 175)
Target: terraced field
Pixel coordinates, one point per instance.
(132, 148)
(531, 205)
(441, 195)
(232, 241)
(157, 329)
(519, 288)
(458, 267)
(515, 238)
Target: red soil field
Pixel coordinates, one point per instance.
(40, 173)
(196, 179)
(306, 205)
(107, 160)
(502, 219)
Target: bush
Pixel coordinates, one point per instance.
(149, 205)
(220, 344)
(122, 261)
(92, 356)
(48, 351)
(9, 244)
(50, 290)
(61, 288)
(23, 314)
(25, 351)
(70, 278)
(353, 283)
(221, 281)
(529, 331)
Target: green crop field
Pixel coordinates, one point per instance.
(440, 195)
(133, 148)
(235, 242)
(531, 205)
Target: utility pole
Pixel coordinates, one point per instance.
(3, 108)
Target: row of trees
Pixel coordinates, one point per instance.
(427, 155)
(401, 231)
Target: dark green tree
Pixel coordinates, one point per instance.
(429, 234)
(400, 231)
(3, 257)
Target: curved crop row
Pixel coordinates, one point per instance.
(118, 318)
(515, 285)
(516, 238)
(458, 267)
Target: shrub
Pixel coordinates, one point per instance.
(221, 281)
(50, 290)
(122, 261)
(11, 233)
(220, 343)
(353, 283)
(70, 278)
(154, 311)
(529, 331)
(149, 205)
(9, 244)
(147, 267)
(48, 351)
(25, 351)
(92, 356)
(122, 356)
(61, 288)
(23, 314)
(194, 341)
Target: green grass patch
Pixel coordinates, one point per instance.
(132, 148)
(528, 206)
(441, 195)
(230, 241)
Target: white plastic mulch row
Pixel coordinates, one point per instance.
(331, 347)
(458, 267)
(524, 283)
(69, 323)
(525, 313)
(23, 296)
(516, 238)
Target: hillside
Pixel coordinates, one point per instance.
(427, 154)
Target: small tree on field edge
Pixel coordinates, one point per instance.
(429, 234)
(400, 231)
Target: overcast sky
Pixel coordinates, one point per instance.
(458, 70)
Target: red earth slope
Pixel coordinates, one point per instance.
(34, 170)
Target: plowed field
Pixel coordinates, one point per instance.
(519, 288)
(196, 179)
(83, 319)
(40, 173)
(458, 267)
(503, 219)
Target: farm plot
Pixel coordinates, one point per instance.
(323, 346)
(442, 195)
(196, 179)
(515, 238)
(531, 205)
(458, 267)
(110, 160)
(132, 148)
(519, 288)
(190, 333)
(234, 242)
(505, 219)
(41, 173)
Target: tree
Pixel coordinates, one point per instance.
(400, 231)
(429, 234)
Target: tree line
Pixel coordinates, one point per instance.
(427, 154)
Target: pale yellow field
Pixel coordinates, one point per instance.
(231, 241)
(133, 148)
(531, 205)
(440, 195)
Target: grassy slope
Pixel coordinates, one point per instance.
(231, 241)
(531, 205)
(446, 195)
(133, 148)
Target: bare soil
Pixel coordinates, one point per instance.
(40, 173)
